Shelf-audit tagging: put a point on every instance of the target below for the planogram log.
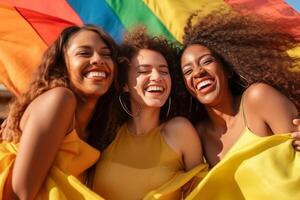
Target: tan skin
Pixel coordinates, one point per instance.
(149, 71)
(42, 134)
(207, 81)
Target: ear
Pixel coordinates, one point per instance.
(125, 88)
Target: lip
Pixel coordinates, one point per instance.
(163, 88)
(208, 88)
(155, 94)
(96, 69)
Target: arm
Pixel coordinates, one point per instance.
(48, 121)
(183, 137)
(268, 111)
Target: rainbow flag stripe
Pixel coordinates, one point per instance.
(28, 27)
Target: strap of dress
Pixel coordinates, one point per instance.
(244, 115)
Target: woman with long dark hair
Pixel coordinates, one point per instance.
(55, 127)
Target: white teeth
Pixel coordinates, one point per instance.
(154, 89)
(96, 75)
(204, 83)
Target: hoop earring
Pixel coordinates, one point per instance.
(244, 81)
(124, 105)
(169, 106)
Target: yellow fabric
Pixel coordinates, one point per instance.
(255, 168)
(169, 10)
(73, 158)
(133, 166)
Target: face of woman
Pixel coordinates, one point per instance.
(149, 81)
(204, 75)
(89, 63)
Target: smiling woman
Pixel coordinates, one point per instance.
(152, 146)
(236, 69)
(54, 125)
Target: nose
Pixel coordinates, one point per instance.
(198, 71)
(155, 75)
(97, 59)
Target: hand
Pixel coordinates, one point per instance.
(296, 135)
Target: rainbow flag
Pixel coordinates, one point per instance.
(27, 27)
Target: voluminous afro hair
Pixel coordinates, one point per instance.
(252, 49)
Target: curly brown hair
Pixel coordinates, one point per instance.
(251, 49)
(138, 39)
(52, 72)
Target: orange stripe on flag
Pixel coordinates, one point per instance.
(20, 50)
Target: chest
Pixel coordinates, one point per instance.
(217, 142)
(132, 167)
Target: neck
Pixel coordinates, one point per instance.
(222, 114)
(144, 120)
(84, 112)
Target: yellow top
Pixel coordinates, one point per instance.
(134, 165)
(255, 167)
(72, 159)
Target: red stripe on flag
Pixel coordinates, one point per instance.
(277, 11)
(48, 27)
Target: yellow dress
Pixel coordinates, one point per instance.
(140, 167)
(73, 159)
(255, 168)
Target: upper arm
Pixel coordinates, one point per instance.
(47, 123)
(266, 104)
(182, 136)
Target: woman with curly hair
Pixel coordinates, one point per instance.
(237, 70)
(152, 147)
(54, 125)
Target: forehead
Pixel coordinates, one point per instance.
(85, 38)
(194, 50)
(148, 57)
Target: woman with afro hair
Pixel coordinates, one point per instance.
(244, 89)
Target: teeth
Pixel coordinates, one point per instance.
(204, 83)
(96, 75)
(154, 89)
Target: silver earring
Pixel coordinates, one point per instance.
(124, 105)
(244, 81)
(169, 106)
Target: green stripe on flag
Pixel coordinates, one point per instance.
(136, 12)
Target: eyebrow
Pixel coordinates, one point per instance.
(148, 66)
(199, 58)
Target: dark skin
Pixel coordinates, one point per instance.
(207, 81)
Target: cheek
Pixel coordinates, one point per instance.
(188, 82)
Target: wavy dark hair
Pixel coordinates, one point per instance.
(52, 72)
(251, 49)
(138, 39)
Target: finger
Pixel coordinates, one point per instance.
(295, 135)
(296, 143)
(296, 122)
(297, 148)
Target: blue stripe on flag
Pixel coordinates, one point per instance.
(100, 13)
(295, 4)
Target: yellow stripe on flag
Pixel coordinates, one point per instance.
(174, 13)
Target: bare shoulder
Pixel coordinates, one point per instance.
(179, 127)
(51, 102)
(261, 95)
(268, 110)
(59, 96)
